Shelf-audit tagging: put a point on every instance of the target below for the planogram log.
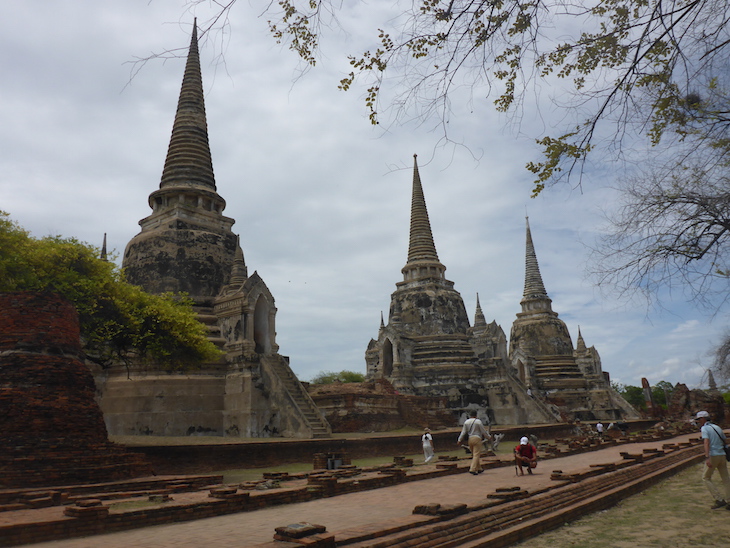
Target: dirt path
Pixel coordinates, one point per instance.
(355, 509)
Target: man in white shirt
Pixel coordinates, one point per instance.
(475, 434)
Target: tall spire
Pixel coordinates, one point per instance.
(102, 256)
(186, 244)
(580, 344)
(188, 162)
(420, 245)
(480, 322)
(534, 288)
(423, 261)
(239, 272)
(534, 293)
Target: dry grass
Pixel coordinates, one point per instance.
(673, 513)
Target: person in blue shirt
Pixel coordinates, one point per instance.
(714, 441)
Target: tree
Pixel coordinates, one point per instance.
(119, 321)
(672, 231)
(619, 73)
(329, 377)
(660, 391)
(632, 394)
(653, 67)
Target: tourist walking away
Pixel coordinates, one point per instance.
(599, 429)
(474, 434)
(525, 455)
(714, 440)
(427, 441)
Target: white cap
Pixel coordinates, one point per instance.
(702, 414)
(524, 441)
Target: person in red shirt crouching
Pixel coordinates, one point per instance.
(525, 455)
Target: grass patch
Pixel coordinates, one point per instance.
(673, 513)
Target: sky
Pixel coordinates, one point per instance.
(321, 198)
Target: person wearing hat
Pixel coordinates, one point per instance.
(714, 441)
(474, 434)
(525, 455)
(427, 441)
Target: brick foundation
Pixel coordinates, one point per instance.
(51, 428)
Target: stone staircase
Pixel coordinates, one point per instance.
(307, 408)
(443, 351)
(559, 373)
(207, 317)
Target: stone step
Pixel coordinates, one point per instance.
(444, 356)
(561, 373)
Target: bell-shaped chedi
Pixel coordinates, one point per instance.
(51, 429)
(424, 349)
(425, 303)
(542, 356)
(186, 244)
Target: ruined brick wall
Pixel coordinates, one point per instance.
(684, 404)
(377, 407)
(51, 429)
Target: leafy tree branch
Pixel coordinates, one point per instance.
(119, 322)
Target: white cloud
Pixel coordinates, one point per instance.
(321, 198)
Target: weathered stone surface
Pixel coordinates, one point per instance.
(377, 407)
(178, 256)
(186, 244)
(684, 403)
(427, 348)
(299, 530)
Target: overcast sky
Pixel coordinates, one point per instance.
(320, 197)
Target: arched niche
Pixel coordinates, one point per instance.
(387, 358)
(261, 335)
(521, 371)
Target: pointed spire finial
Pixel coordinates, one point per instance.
(480, 321)
(188, 162)
(239, 273)
(421, 246)
(102, 255)
(534, 297)
(534, 287)
(580, 344)
(423, 261)
(711, 380)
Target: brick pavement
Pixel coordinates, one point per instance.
(351, 510)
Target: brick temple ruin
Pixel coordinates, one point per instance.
(427, 366)
(427, 353)
(187, 245)
(53, 430)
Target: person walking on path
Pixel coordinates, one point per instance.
(427, 441)
(714, 440)
(525, 455)
(474, 433)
